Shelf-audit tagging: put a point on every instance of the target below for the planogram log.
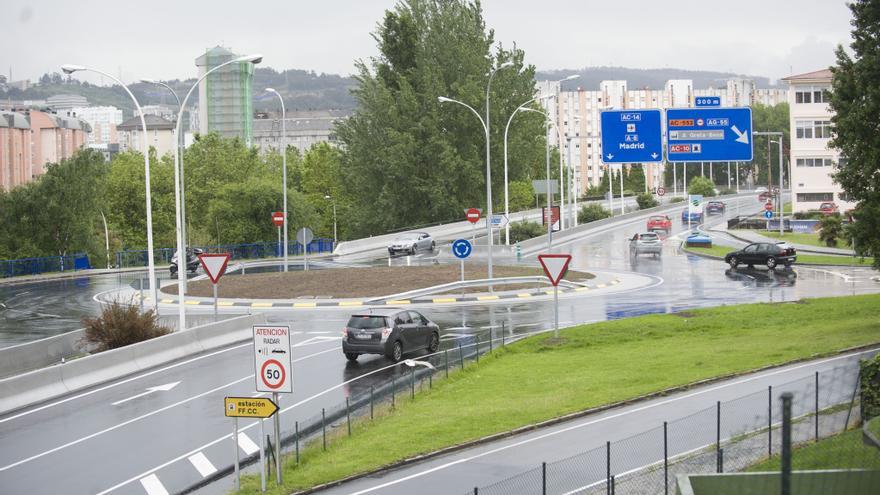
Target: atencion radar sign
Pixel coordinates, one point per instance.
(273, 364)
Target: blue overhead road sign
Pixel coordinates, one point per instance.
(461, 248)
(707, 101)
(709, 134)
(632, 136)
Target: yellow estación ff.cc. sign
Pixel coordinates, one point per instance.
(249, 407)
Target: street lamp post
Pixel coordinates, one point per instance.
(151, 266)
(334, 219)
(283, 169)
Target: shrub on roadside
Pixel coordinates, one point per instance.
(520, 231)
(701, 186)
(724, 191)
(120, 325)
(677, 199)
(591, 213)
(646, 200)
(830, 229)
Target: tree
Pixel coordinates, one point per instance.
(410, 160)
(322, 177)
(521, 195)
(646, 200)
(591, 213)
(702, 186)
(855, 101)
(766, 161)
(830, 229)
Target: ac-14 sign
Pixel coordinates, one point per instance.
(632, 136)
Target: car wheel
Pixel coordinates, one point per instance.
(433, 245)
(396, 352)
(435, 343)
(771, 263)
(351, 356)
(414, 249)
(733, 262)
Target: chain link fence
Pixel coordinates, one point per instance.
(259, 250)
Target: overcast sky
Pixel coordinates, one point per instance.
(160, 39)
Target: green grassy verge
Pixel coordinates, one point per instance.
(816, 259)
(798, 238)
(843, 451)
(874, 427)
(589, 365)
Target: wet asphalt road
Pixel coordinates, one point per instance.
(90, 445)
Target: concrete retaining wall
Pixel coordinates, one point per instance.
(41, 353)
(42, 384)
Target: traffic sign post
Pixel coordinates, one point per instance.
(273, 370)
(249, 407)
(709, 134)
(768, 214)
(215, 266)
(473, 216)
(305, 236)
(461, 248)
(555, 266)
(278, 220)
(632, 136)
(768, 206)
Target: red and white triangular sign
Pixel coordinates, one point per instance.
(555, 266)
(214, 265)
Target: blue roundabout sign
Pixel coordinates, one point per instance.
(461, 248)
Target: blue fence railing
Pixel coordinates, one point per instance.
(35, 266)
(138, 257)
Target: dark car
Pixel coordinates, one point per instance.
(763, 253)
(715, 207)
(389, 331)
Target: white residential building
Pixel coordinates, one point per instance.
(303, 129)
(103, 121)
(163, 111)
(811, 158)
(160, 135)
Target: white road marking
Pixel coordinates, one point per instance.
(318, 333)
(153, 486)
(150, 390)
(147, 415)
(526, 325)
(202, 464)
(595, 421)
(246, 444)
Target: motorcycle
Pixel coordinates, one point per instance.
(192, 261)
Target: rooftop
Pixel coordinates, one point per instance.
(823, 75)
(154, 122)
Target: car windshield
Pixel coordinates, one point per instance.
(366, 322)
(407, 237)
(827, 205)
(657, 218)
(648, 236)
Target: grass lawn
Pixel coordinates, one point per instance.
(843, 451)
(799, 238)
(589, 365)
(817, 259)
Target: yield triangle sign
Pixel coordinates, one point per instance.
(555, 266)
(214, 265)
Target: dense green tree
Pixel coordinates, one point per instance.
(408, 158)
(855, 99)
(766, 161)
(702, 186)
(522, 196)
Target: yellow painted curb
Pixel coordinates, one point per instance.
(190, 302)
(304, 305)
(351, 303)
(261, 305)
(444, 300)
(400, 302)
(523, 295)
(224, 303)
(581, 289)
(486, 298)
(164, 301)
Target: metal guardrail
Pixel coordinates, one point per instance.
(36, 266)
(129, 258)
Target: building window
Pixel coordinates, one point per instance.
(810, 129)
(811, 95)
(815, 197)
(814, 162)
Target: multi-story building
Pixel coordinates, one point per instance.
(811, 159)
(577, 115)
(103, 121)
(15, 149)
(66, 102)
(303, 129)
(163, 111)
(160, 135)
(226, 96)
(54, 137)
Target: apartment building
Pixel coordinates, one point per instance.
(15, 150)
(226, 96)
(54, 137)
(103, 121)
(303, 129)
(160, 135)
(811, 158)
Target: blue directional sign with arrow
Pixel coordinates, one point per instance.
(461, 248)
(709, 134)
(632, 136)
(768, 214)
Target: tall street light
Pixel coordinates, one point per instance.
(151, 266)
(330, 198)
(548, 216)
(178, 185)
(283, 169)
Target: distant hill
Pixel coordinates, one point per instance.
(590, 77)
(308, 90)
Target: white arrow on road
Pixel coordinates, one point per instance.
(743, 137)
(610, 156)
(150, 390)
(412, 363)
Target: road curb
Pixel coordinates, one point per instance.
(794, 265)
(575, 415)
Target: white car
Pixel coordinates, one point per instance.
(411, 242)
(646, 243)
(761, 189)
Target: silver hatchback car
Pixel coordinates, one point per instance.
(411, 242)
(646, 243)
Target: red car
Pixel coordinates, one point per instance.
(828, 208)
(659, 222)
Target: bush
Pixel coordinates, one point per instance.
(520, 231)
(870, 388)
(808, 215)
(724, 191)
(701, 186)
(120, 325)
(646, 200)
(591, 213)
(830, 229)
(677, 199)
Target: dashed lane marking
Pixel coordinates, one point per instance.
(202, 464)
(153, 486)
(246, 444)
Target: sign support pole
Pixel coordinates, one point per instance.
(306, 253)
(215, 300)
(462, 269)
(279, 240)
(262, 457)
(235, 446)
(674, 179)
(277, 440)
(622, 202)
(556, 311)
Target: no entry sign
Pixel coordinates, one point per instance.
(278, 218)
(272, 359)
(473, 215)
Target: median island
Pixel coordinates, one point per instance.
(361, 282)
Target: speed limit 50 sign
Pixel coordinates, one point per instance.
(273, 363)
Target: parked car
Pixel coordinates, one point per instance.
(646, 243)
(192, 261)
(694, 217)
(659, 222)
(715, 207)
(761, 189)
(828, 208)
(765, 196)
(763, 253)
(411, 242)
(389, 331)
